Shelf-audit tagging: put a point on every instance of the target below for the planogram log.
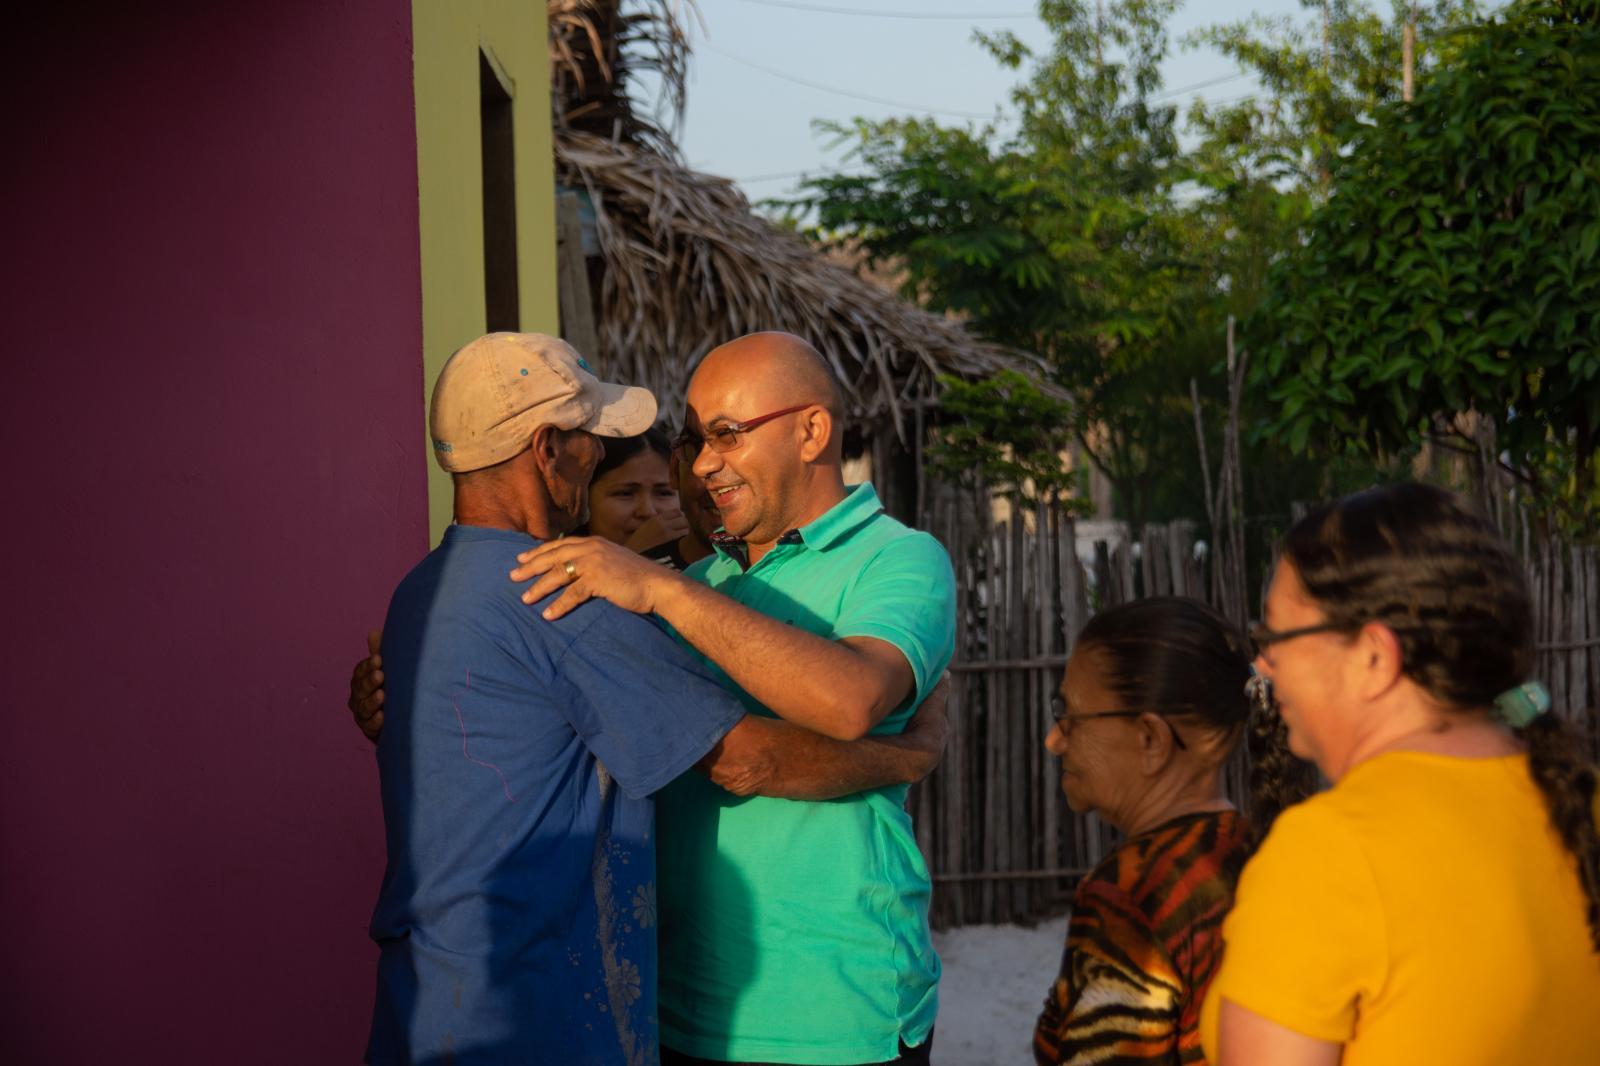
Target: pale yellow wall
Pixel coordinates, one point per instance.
(448, 35)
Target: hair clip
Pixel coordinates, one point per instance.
(1518, 707)
(1258, 690)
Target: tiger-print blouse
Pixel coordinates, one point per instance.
(1144, 942)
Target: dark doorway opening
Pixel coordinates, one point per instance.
(501, 305)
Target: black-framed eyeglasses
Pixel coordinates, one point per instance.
(1262, 638)
(725, 437)
(1059, 712)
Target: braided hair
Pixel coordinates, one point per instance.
(1278, 778)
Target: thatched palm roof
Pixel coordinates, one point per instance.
(689, 265)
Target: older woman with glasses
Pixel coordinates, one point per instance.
(1152, 705)
(1441, 902)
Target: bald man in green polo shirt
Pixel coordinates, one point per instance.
(791, 932)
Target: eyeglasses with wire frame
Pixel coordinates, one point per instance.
(726, 436)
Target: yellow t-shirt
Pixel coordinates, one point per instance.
(1421, 911)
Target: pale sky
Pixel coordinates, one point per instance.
(746, 122)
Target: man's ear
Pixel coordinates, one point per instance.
(547, 446)
(817, 426)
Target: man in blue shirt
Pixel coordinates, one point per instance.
(516, 919)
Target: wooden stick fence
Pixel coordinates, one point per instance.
(992, 822)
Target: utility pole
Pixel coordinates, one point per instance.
(1408, 56)
(1323, 163)
(1099, 33)
(1326, 37)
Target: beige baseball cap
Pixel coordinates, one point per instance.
(495, 391)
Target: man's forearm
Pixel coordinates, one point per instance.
(767, 757)
(809, 680)
(841, 688)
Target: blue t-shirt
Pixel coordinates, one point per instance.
(517, 916)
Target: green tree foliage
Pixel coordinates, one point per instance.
(1454, 266)
(1061, 237)
(1009, 432)
(1260, 163)
(1083, 229)
(1317, 75)
(1261, 158)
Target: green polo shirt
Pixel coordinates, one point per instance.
(796, 931)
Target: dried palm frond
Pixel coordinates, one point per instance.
(598, 52)
(688, 266)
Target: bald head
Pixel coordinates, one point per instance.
(786, 470)
(769, 371)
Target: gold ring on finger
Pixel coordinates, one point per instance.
(572, 571)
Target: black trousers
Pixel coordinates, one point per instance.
(909, 1056)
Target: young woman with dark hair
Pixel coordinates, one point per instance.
(631, 498)
(1441, 902)
(1150, 709)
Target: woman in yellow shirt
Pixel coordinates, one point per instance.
(1441, 903)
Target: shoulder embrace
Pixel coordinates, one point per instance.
(594, 620)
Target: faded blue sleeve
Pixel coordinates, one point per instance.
(645, 707)
(906, 596)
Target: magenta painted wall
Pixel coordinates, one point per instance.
(213, 477)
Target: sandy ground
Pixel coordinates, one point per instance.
(995, 979)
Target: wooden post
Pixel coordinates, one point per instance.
(916, 455)
(1147, 571)
(992, 829)
(1238, 610)
(1018, 719)
(572, 284)
(958, 781)
(1582, 696)
(1180, 557)
(1049, 643)
(1212, 502)
(1591, 569)
(1046, 597)
(1102, 576)
(1123, 556)
(1155, 545)
(1542, 625)
(1557, 680)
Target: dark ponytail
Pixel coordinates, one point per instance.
(1432, 569)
